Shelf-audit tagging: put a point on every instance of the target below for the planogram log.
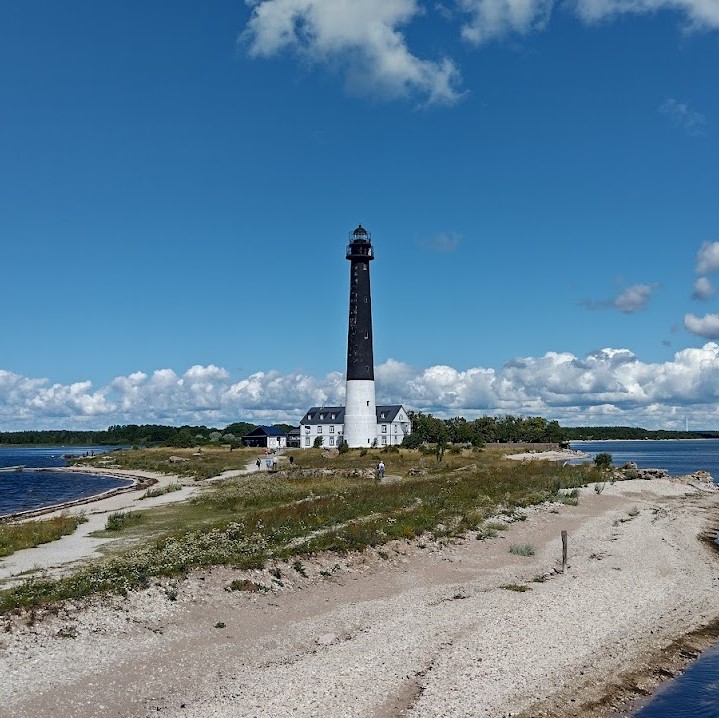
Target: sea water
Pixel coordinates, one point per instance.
(694, 694)
(679, 458)
(30, 489)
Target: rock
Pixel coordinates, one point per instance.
(630, 465)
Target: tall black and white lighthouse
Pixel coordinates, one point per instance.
(360, 420)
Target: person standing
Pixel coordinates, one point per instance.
(380, 470)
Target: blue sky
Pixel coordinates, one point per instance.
(178, 180)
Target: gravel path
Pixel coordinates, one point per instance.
(411, 630)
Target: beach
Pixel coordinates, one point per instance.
(458, 627)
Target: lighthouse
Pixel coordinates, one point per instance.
(360, 419)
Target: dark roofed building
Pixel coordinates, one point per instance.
(393, 425)
(269, 437)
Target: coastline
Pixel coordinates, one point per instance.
(406, 630)
(138, 483)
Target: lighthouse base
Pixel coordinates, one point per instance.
(360, 429)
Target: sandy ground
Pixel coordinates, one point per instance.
(412, 630)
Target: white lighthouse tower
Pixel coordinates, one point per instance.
(360, 420)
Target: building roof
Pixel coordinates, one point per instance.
(324, 415)
(336, 414)
(265, 431)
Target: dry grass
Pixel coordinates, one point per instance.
(246, 520)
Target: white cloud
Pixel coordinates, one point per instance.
(606, 386)
(706, 326)
(631, 300)
(683, 116)
(442, 243)
(708, 258)
(361, 37)
(701, 14)
(493, 19)
(703, 289)
(634, 298)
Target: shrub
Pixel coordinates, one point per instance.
(603, 461)
(317, 444)
(524, 549)
(343, 447)
(119, 520)
(160, 491)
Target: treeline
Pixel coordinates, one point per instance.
(133, 435)
(602, 433)
(486, 429)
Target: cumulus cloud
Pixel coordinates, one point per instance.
(493, 19)
(703, 289)
(631, 300)
(363, 38)
(634, 298)
(683, 117)
(442, 243)
(606, 386)
(708, 258)
(706, 326)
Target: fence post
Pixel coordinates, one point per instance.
(564, 551)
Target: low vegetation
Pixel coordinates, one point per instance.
(303, 509)
(161, 491)
(17, 536)
(523, 549)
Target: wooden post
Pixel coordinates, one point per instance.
(564, 551)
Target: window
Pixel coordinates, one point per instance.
(322, 416)
(384, 441)
(366, 335)
(332, 440)
(381, 416)
(332, 429)
(384, 428)
(307, 428)
(309, 417)
(319, 429)
(332, 416)
(307, 441)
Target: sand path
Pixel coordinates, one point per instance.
(411, 631)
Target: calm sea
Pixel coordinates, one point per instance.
(677, 457)
(695, 694)
(27, 490)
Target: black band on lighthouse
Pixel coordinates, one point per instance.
(360, 357)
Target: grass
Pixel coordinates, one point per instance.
(120, 520)
(161, 491)
(518, 587)
(18, 536)
(246, 521)
(524, 549)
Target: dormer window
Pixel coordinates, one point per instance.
(381, 416)
(309, 417)
(322, 416)
(332, 416)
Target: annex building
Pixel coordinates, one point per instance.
(328, 422)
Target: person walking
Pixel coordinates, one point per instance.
(380, 470)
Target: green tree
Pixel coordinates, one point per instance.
(318, 442)
(603, 461)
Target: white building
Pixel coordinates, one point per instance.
(393, 425)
